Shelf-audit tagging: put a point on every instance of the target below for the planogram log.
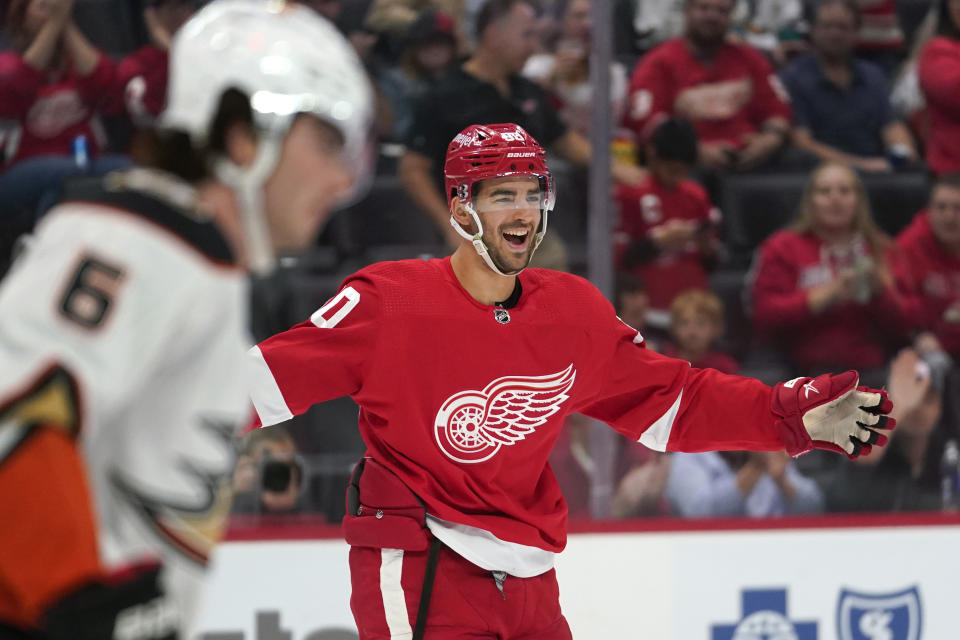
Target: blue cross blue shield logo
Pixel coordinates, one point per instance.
(764, 617)
(882, 616)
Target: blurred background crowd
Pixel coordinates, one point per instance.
(785, 180)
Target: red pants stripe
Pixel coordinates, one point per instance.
(466, 603)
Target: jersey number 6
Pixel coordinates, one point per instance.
(88, 298)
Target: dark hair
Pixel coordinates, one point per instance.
(174, 151)
(850, 5)
(675, 139)
(687, 3)
(949, 180)
(627, 283)
(492, 11)
(945, 25)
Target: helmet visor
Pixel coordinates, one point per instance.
(506, 194)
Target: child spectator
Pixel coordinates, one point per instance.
(696, 324)
(931, 246)
(667, 231)
(831, 287)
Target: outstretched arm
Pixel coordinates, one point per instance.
(669, 406)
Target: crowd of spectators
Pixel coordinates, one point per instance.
(707, 97)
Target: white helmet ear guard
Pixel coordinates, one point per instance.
(288, 61)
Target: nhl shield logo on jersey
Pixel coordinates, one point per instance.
(472, 426)
(884, 616)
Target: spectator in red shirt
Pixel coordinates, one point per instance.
(939, 71)
(931, 246)
(696, 318)
(881, 39)
(51, 86)
(832, 286)
(729, 91)
(140, 89)
(667, 231)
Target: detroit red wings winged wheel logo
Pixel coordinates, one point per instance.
(472, 426)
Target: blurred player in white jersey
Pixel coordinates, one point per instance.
(123, 327)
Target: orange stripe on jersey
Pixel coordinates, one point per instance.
(48, 540)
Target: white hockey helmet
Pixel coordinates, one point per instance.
(288, 60)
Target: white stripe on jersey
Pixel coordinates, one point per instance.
(394, 603)
(658, 434)
(265, 393)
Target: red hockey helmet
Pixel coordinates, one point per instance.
(480, 152)
(483, 151)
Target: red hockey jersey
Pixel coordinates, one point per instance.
(649, 205)
(880, 25)
(45, 117)
(465, 408)
(848, 334)
(937, 274)
(726, 100)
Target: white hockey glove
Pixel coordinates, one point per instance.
(831, 412)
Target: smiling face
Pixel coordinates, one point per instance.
(509, 209)
(835, 198)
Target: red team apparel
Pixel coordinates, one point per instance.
(727, 99)
(470, 422)
(722, 362)
(140, 89)
(650, 205)
(463, 402)
(848, 334)
(939, 72)
(46, 116)
(937, 274)
(880, 25)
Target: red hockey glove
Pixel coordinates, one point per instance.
(831, 412)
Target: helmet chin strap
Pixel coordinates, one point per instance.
(248, 183)
(481, 247)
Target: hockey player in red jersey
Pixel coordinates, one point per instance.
(465, 368)
(124, 325)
